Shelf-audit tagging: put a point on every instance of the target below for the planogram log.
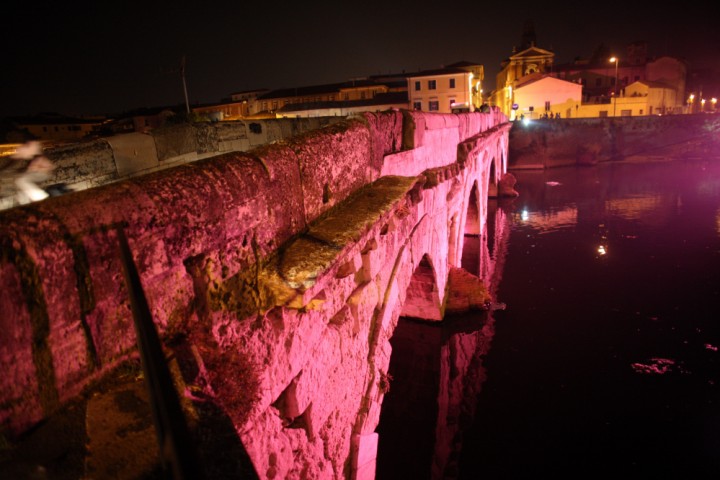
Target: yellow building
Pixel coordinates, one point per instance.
(455, 88)
(530, 61)
(638, 98)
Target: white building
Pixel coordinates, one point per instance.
(537, 94)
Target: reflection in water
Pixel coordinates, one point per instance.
(545, 222)
(437, 374)
(605, 362)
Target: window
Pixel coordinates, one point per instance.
(417, 105)
(452, 83)
(431, 85)
(452, 101)
(433, 105)
(547, 105)
(417, 85)
(603, 114)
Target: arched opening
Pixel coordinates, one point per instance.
(409, 414)
(423, 299)
(492, 181)
(491, 209)
(471, 246)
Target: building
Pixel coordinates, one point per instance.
(603, 79)
(610, 85)
(236, 107)
(530, 61)
(379, 103)
(537, 95)
(56, 128)
(374, 93)
(455, 88)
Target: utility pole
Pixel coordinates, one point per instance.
(181, 71)
(182, 75)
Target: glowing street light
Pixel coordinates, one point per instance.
(616, 61)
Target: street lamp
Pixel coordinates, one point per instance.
(616, 61)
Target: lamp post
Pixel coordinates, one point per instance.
(616, 61)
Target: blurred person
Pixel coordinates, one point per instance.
(37, 170)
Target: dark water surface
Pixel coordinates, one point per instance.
(605, 363)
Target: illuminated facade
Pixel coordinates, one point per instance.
(537, 95)
(635, 85)
(455, 88)
(530, 61)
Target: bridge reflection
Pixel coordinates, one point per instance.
(437, 372)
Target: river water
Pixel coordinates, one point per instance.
(606, 361)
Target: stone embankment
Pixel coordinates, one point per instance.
(588, 141)
(102, 161)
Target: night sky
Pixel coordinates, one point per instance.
(103, 57)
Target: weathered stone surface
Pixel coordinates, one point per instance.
(466, 292)
(244, 256)
(506, 186)
(334, 162)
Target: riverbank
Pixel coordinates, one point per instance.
(554, 143)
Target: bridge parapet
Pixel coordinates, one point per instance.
(296, 258)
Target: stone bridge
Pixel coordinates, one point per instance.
(275, 277)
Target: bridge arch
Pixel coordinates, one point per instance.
(470, 260)
(422, 299)
(305, 281)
